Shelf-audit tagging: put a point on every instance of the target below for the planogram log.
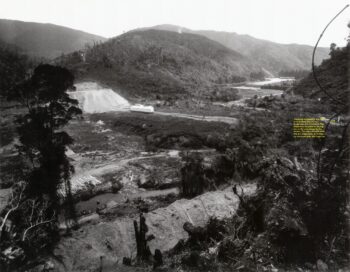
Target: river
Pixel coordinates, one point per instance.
(251, 89)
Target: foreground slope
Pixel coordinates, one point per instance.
(155, 63)
(44, 40)
(272, 56)
(166, 224)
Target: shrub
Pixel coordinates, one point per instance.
(193, 180)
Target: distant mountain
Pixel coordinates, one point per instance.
(156, 62)
(44, 40)
(271, 56)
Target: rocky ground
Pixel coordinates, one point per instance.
(113, 240)
(115, 178)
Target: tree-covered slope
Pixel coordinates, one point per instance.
(271, 56)
(14, 66)
(155, 62)
(333, 76)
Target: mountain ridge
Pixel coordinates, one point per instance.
(158, 62)
(44, 39)
(271, 56)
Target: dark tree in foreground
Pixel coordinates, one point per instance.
(46, 169)
(143, 251)
(193, 180)
(42, 140)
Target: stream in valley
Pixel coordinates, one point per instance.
(253, 89)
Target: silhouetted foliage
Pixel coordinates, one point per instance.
(46, 170)
(193, 180)
(49, 108)
(142, 249)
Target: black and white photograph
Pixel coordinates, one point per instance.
(174, 136)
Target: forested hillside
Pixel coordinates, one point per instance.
(14, 66)
(333, 76)
(273, 57)
(154, 62)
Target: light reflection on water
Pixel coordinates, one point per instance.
(252, 89)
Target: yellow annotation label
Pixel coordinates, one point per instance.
(306, 128)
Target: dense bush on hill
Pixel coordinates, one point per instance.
(14, 66)
(272, 57)
(147, 63)
(333, 76)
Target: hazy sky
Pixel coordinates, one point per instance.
(284, 21)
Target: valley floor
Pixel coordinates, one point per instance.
(121, 169)
(126, 163)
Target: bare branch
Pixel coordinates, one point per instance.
(12, 209)
(36, 225)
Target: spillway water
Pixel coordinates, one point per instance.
(95, 99)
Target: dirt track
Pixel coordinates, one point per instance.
(224, 119)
